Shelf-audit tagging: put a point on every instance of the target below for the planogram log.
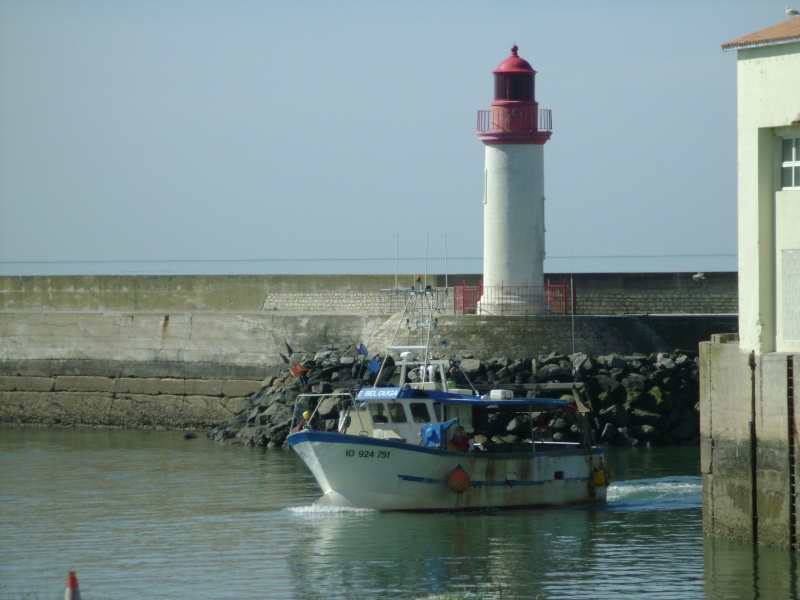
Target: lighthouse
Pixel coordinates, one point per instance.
(513, 131)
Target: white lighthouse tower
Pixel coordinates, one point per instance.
(514, 131)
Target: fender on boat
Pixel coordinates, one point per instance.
(458, 480)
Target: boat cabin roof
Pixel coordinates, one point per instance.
(402, 393)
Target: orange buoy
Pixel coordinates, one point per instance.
(458, 480)
(599, 478)
(72, 592)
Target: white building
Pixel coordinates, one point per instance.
(749, 387)
(768, 84)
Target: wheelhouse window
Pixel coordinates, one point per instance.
(790, 163)
(419, 412)
(378, 412)
(397, 412)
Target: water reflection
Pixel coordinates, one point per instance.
(739, 570)
(400, 554)
(149, 513)
(575, 553)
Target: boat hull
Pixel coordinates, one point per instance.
(363, 472)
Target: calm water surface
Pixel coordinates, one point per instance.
(149, 514)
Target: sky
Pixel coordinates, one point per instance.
(245, 130)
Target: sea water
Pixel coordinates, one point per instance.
(148, 514)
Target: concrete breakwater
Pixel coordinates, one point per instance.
(635, 400)
(596, 293)
(185, 351)
(192, 370)
(111, 393)
(137, 369)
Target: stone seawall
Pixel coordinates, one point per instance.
(597, 293)
(123, 394)
(143, 369)
(181, 351)
(231, 338)
(140, 370)
(654, 293)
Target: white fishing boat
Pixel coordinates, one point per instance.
(422, 445)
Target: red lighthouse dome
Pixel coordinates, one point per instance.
(514, 79)
(514, 64)
(515, 117)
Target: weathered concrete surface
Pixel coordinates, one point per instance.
(774, 499)
(178, 293)
(259, 338)
(114, 410)
(124, 394)
(598, 293)
(653, 293)
(487, 336)
(747, 433)
(254, 338)
(725, 462)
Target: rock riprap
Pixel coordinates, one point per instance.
(635, 400)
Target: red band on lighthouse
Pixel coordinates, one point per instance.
(72, 592)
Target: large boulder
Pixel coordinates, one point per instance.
(552, 373)
(472, 367)
(616, 415)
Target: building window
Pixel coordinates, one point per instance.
(790, 163)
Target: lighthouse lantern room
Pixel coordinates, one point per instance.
(514, 131)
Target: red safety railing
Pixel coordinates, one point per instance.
(552, 298)
(560, 297)
(465, 298)
(516, 119)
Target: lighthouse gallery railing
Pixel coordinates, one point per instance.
(515, 119)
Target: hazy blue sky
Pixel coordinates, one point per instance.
(214, 130)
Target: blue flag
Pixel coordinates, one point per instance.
(362, 349)
(374, 365)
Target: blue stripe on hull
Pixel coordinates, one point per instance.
(310, 435)
(508, 482)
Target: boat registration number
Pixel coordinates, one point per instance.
(367, 453)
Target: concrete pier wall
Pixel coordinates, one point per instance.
(749, 443)
(123, 394)
(142, 369)
(184, 351)
(139, 369)
(597, 293)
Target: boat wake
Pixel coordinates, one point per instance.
(314, 509)
(665, 493)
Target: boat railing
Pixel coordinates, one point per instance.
(305, 401)
(395, 300)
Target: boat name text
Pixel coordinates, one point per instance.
(379, 393)
(367, 453)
